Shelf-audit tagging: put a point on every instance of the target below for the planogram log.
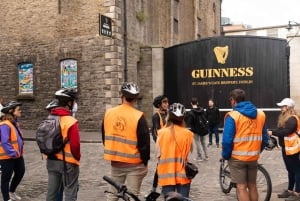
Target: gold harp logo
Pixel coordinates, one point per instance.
(221, 54)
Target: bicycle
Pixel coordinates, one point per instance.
(263, 181)
(124, 194)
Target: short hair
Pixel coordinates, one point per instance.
(238, 95)
(194, 101)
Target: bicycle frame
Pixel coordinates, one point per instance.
(263, 181)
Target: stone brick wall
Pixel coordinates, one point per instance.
(46, 32)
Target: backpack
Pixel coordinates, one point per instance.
(48, 135)
(200, 124)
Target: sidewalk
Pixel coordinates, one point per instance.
(204, 187)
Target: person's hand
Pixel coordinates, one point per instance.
(269, 133)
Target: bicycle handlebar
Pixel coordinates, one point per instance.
(118, 186)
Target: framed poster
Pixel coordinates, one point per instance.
(25, 72)
(68, 69)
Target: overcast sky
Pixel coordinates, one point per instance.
(259, 13)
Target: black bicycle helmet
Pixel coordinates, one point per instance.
(177, 111)
(130, 90)
(66, 94)
(53, 104)
(10, 105)
(272, 143)
(157, 100)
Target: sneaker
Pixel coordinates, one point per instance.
(14, 196)
(198, 159)
(285, 194)
(209, 144)
(293, 198)
(217, 145)
(206, 158)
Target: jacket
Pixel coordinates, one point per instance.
(213, 116)
(248, 137)
(73, 133)
(11, 144)
(249, 110)
(192, 118)
(66, 122)
(158, 121)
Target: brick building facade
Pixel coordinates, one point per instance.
(45, 33)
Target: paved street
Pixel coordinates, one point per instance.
(205, 187)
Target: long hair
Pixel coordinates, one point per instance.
(284, 116)
(9, 116)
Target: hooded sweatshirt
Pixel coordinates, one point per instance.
(247, 109)
(73, 132)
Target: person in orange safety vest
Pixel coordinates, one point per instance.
(174, 144)
(244, 138)
(11, 151)
(126, 140)
(63, 167)
(288, 125)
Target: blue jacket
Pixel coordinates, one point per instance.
(248, 109)
(5, 140)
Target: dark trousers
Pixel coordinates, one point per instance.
(11, 167)
(213, 129)
(292, 164)
(155, 179)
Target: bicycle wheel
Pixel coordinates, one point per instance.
(224, 177)
(264, 184)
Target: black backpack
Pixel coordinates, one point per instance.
(200, 124)
(49, 137)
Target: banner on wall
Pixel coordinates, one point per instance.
(25, 72)
(68, 70)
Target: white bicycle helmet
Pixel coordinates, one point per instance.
(67, 94)
(130, 90)
(53, 104)
(10, 105)
(177, 111)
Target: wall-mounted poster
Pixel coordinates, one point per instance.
(68, 69)
(25, 71)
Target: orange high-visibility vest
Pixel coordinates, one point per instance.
(65, 123)
(248, 137)
(13, 140)
(161, 123)
(120, 125)
(292, 141)
(173, 154)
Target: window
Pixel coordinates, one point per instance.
(68, 69)
(25, 73)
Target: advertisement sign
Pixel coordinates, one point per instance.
(211, 68)
(25, 72)
(68, 70)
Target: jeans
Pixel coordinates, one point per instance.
(9, 167)
(132, 176)
(292, 164)
(200, 141)
(58, 174)
(213, 129)
(184, 189)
